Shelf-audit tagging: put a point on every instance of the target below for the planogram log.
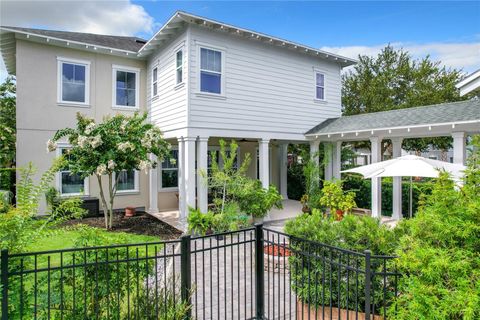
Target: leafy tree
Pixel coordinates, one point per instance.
(395, 80)
(7, 133)
(440, 253)
(106, 149)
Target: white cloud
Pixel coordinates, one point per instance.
(119, 17)
(464, 56)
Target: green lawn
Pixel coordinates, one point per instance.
(82, 236)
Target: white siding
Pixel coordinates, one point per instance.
(169, 109)
(267, 88)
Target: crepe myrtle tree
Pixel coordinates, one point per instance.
(106, 149)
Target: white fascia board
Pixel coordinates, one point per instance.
(468, 79)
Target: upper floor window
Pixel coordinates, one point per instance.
(210, 71)
(319, 86)
(179, 66)
(126, 87)
(73, 81)
(155, 82)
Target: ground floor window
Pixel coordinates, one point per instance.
(69, 183)
(128, 181)
(169, 174)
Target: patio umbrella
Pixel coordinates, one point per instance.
(409, 166)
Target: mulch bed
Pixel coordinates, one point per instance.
(276, 250)
(142, 224)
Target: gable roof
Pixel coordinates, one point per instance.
(181, 18)
(443, 113)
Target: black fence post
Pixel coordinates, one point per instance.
(368, 281)
(4, 283)
(259, 269)
(185, 272)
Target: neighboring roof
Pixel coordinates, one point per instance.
(469, 83)
(132, 44)
(107, 44)
(180, 18)
(444, 113)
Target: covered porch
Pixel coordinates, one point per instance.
(458, 120)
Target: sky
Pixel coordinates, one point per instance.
(448, 31)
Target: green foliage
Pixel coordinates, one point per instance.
(118, 143)
(440, 254)
(334, 198)
(353, 233)
(199, 222)
(253, 199)
(394, 80)
(7, 133)
(20, 225)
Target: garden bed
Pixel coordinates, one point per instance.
(276, 258)
(142, 224)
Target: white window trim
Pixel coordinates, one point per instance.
(315, 72)
(136, 187)
(177, 83)
(199, 71)
(153, 82)
(58, 177)
(60, 101)
(160, 182)
(116, 68)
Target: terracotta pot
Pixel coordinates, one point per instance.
(130, 211)
(304, 311)
(339, 215)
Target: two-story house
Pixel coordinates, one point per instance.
(200, 81)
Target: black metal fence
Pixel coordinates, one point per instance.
(255, 273)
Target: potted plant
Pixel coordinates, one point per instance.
(334, 198)
(130, 212)
(304, 202)
(199, 223)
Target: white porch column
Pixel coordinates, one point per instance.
(283, 162)
(397, 182)
(328, 154)
(314, 148)
(153, 187)
(181, 177)
(459, 147)
(189, 173)
(202, 167)
(337, 160)
(376, 149)
(263, 153)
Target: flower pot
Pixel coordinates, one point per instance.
(339, 215)
(275, 258)
(130, 211)
(305, 311)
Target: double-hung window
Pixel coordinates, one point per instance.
(169, 177)
(319, 85)
(211, 71)
(128, 181)
(179, 66)
(68, 183)
(73, 81)
(155, 82)
(126, 82)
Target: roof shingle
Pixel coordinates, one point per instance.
(468, 110)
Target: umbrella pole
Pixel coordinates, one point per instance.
(410, 209)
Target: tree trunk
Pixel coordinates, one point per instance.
(104, 202)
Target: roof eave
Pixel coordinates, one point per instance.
(161, 37)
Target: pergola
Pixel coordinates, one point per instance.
(457, 119)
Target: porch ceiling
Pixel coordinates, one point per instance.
(427, 121)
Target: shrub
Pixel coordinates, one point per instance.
(440, 254)
(311, 275)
